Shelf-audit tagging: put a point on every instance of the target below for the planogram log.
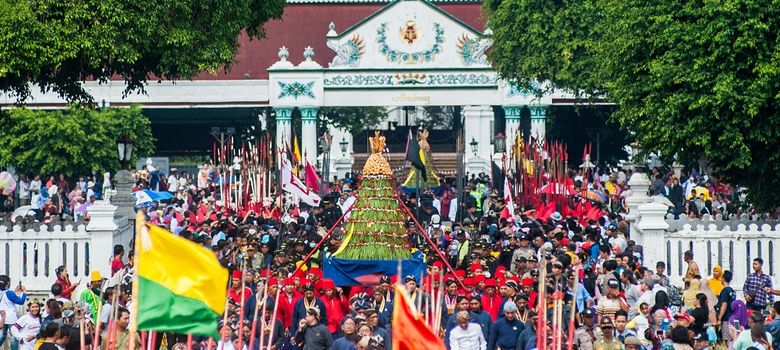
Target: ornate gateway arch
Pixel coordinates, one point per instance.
(409, 53)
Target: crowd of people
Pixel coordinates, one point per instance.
(508, 272)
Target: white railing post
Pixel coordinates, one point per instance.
(101, 228)
(652, 227)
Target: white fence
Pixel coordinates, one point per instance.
(31, 252)
(732, 243)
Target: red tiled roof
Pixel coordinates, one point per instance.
(306, 25)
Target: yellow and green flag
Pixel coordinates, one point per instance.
(180, 286)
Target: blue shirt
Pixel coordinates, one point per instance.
(505, 333)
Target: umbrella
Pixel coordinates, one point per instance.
(7, 183)
(22, 211)
(146, 197)
(595, 196)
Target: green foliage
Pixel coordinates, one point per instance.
(57, 44)
(578, 125)
(352, 119)
(441, 117)
(75, 141)
(536, 40)
(376, 224)
(696, 79)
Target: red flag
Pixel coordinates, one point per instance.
(312, 179)
(410, 332)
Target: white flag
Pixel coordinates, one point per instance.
(295, 186)
(509, 209)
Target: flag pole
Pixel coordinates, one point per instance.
(273, 317)
(262, 317)
(82, 336)
(189, 341)
(243, 302)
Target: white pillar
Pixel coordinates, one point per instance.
(283, 126)
(309, 133)
(477, 127)
(101, 228)
(512, 125)
(651, 233)
(538, 117)
(639, 185)
(340, 162)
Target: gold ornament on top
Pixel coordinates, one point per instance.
(376, 164)
(422, 139)
(410, 32)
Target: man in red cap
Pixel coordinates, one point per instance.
(436, 268)
(469, 283)
(235, 293)
(287, 300)
(491, 301)
(335, 304)
(256, 301)
(529, 290)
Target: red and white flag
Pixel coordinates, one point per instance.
(509, 208)
(312, 179)
(294, 185)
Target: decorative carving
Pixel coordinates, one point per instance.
(360, 80)
(473, 50)
(411, 78)
(308, 53)
(400, 56)
(348, 53)
(296, 89)
(515, 90)
(283, 53)
(409, 32)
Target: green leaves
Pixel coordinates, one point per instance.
(699, 79)
(352, 119)
(56, 44)
(76, 141)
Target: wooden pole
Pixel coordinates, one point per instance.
(82, 335)
(273, 319)
(243, 303)
(262, 317)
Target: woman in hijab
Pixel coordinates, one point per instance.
(716, 280)
(689, 295)
(739, 314)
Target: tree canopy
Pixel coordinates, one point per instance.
(74, 141)
(352, 119)
(57, 44)
(691, 79)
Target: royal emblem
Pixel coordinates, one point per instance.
(410, 33)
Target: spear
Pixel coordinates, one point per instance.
(243, 302)
(273, 318)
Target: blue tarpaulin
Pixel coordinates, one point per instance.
(346, 272)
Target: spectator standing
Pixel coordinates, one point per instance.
(756, 286)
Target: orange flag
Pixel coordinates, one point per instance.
(409, 329)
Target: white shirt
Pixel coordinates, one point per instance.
(24, 189)
(25, 327)
(35, 185)
(105, 313)
(173, 184)
(470, 338)
(34, 201)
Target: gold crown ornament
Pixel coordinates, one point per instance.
(376, 164)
